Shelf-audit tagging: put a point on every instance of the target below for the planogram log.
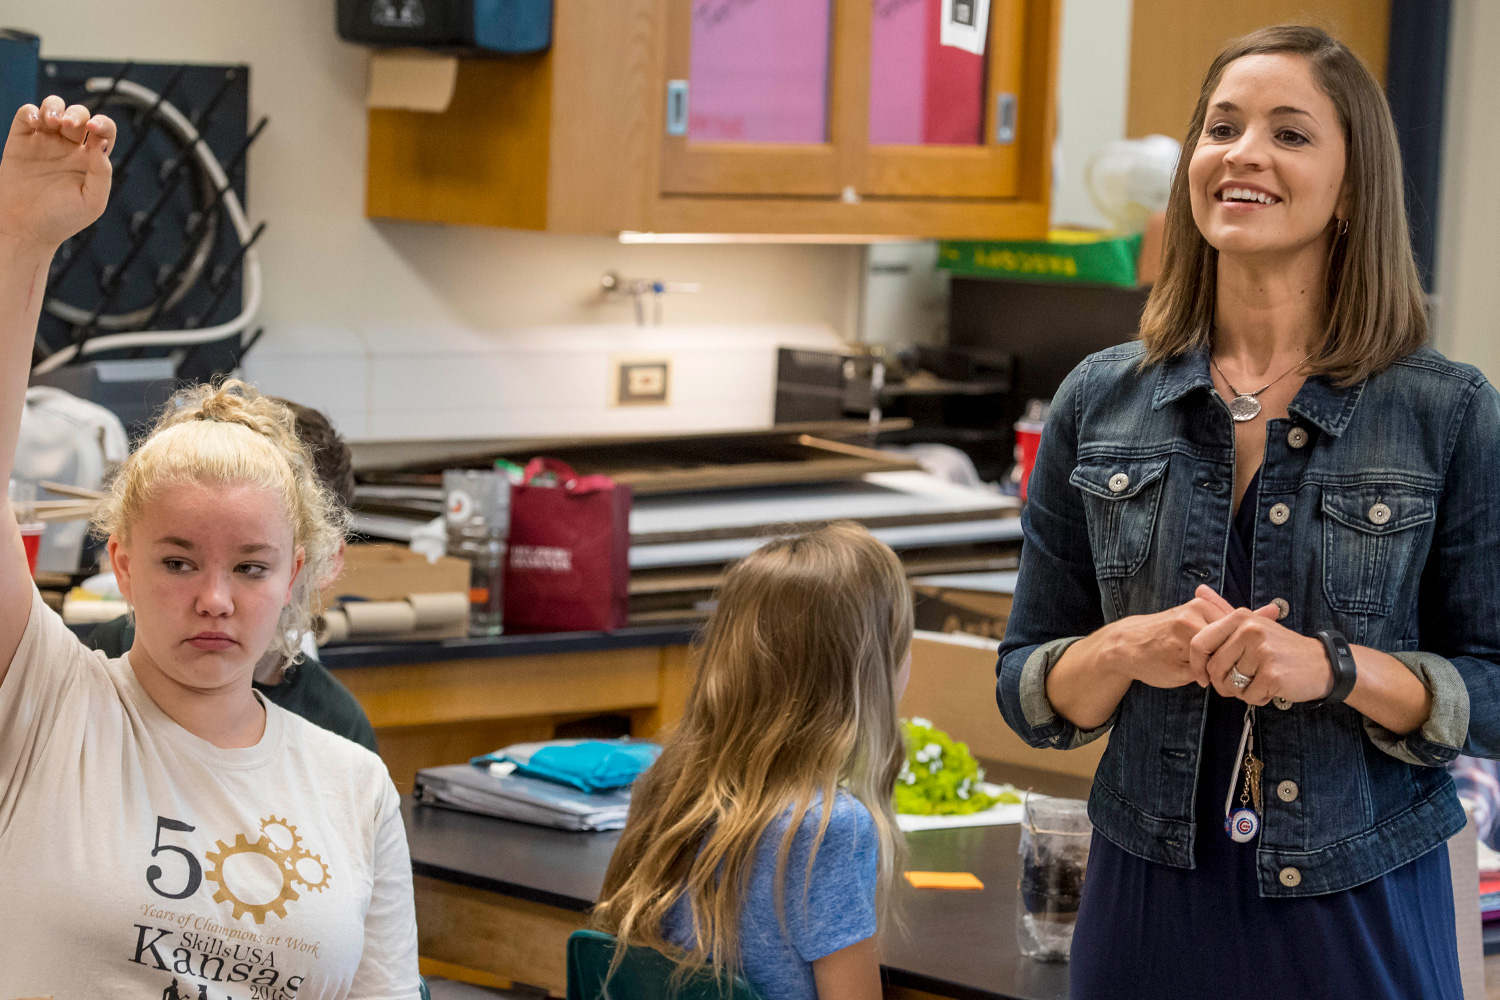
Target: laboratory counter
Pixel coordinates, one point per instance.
(501, 898)
(346, 655)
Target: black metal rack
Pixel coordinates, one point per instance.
(167, 254)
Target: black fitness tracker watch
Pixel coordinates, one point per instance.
(1341, 658)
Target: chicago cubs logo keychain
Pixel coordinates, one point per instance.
(1244, 823)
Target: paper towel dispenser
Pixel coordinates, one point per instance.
(475, 27)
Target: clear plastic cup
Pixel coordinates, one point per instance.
(1055, 837)
(478, 526)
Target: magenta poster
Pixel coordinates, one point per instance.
(759, 71)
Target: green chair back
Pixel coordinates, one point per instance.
(644, 974)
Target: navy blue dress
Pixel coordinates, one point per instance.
(1148, 930)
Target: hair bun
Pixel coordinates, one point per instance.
(232, 401)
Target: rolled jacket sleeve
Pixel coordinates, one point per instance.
(1057, 594)
(1458, 606)
(1438, 740)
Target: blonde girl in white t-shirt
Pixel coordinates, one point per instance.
(164, 831)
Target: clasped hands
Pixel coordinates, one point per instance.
(1201, 641)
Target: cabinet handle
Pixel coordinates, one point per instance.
(1005, 119)
(677, 104)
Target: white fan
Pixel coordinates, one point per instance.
(1129, 179)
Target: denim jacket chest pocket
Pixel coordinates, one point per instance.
(1121, 496)
(1371, 533)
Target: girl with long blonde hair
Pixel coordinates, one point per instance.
(763, 841)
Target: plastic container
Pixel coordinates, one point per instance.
(1055, 838)
(470, 27)
(1028, 441)
(22, 496)
(31, 538)
(478, 529)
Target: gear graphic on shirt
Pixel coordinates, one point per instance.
(270, 827)
(265, 848)
(298, 866)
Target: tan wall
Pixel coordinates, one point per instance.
(1173, 42)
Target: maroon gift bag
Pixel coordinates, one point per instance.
(568, 568)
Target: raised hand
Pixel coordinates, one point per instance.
(55, 174)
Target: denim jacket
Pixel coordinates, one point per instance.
(1378, 515)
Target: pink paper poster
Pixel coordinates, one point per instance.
(759, 71)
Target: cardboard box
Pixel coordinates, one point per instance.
(382, 572)
(953, 684)
(972, 612)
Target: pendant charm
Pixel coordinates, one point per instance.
(1244, 407)
(1242, 825)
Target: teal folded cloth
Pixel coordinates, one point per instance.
(588, 765)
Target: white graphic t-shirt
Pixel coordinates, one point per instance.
(139, 862)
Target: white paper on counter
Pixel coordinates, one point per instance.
(966, 24)
(999, 814)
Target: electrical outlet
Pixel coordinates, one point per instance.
(642, 381)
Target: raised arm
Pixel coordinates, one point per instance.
(54, 181)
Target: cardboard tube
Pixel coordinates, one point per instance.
(439, 610)
(369, 618)
(333, 626)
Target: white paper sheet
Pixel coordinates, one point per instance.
(966, 23)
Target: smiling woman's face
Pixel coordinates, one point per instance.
(1268, 169)
(208, 569)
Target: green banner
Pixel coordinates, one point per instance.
(1074, 259)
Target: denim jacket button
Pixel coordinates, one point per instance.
(1290, 877)
(1282, 607)
(1280, 513)
(1296, 437)
(1379, 514)
(1287, 791)
(1118, 482)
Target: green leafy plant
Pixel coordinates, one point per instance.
(940, 777)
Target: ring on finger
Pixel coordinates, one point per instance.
(1239, 680)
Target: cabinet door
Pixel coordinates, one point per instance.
(751, 88)
(945, 81)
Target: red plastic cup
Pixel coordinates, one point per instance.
(31, 537)
(1028, 440)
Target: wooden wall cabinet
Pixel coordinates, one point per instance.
(600, 134)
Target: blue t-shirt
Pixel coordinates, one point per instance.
(839, 907)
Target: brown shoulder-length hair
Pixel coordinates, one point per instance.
(1376, 309)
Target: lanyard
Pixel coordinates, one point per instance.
(1243, 824)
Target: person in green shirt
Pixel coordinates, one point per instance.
(301, 685)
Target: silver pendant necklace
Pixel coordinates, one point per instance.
(1244, 406)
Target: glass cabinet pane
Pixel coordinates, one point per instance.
(927, 72)
(759, 71)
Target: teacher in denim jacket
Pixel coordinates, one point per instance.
(1262, 552)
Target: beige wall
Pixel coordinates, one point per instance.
(1467, 288)
(326, 264)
